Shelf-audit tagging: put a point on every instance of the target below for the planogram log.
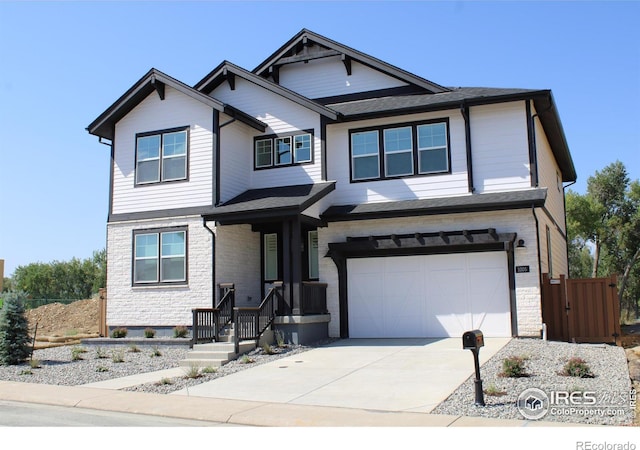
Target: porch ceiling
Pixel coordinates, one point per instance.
(268, 204)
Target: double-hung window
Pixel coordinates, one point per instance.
(160, 256)
(278, 151)
(161, 156)
(412, 149)
(365, 155)
(432, 148)
(398, 152)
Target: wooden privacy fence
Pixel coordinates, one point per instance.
(581, 310)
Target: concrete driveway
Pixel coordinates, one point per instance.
(412, 375)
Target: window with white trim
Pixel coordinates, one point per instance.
(403, 150)
(161, 156)
(160, 256)
(279, 151)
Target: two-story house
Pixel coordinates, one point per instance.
(424, 210)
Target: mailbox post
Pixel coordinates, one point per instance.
(473, 340)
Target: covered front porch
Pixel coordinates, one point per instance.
(266, 266)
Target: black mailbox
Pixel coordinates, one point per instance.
(472, 340)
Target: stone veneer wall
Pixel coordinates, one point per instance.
(529, 314)
(157, 305)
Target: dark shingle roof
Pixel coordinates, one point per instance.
(446, 205)
(454, 97)
(259, 204)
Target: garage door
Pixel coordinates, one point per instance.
(429, 295)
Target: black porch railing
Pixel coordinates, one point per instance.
(208, 323)
(250, 322)
(314, 298)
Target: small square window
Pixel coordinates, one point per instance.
(302, 148)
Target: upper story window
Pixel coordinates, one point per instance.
(276, 151)
(161, 156)
(419, 148)
(160, 256)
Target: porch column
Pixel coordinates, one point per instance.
(296, 267)
(292, 265)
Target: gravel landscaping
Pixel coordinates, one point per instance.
(608, 393)
(610, 385)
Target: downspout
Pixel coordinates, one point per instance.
(213, 262)
(217, 202)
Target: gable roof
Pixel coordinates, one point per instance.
(227, 71)
(294, 51)
(155, 80)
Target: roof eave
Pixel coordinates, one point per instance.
(363, 58)
(102, 126)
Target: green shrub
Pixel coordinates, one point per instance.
(76, 353)
(149, 333)
(100, 353)
(117, 356)
(577, 367)
(164, 381)
(15, 345)
(192, 372)
(268, 350)
(209, 369)
(119, 332)
(180, 331)
(102, 369)
(494, 391)
(246, 359)
(34, 364)
(513, 367)
(133, 348)
(155, 352)
(280, 339)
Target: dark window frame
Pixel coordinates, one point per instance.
(382, 170)
(159, 232)
(161, 133)
(292, 137)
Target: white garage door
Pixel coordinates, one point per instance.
(429, 295)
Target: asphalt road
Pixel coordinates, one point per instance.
(14, 414)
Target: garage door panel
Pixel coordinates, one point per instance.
(429, 295)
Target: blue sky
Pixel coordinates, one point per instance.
(64, 63)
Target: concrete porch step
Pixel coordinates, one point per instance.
(215, 354)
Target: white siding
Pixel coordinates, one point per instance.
(283, 116)
(559, 263)
(236, 161)
(157, 305)
(549, 176)
(499, 147)
(153, 114)
(529, 312)
(328, 77)
(437, 185)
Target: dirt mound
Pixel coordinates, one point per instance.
(56, 319)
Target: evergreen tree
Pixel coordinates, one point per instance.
(14, 331)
